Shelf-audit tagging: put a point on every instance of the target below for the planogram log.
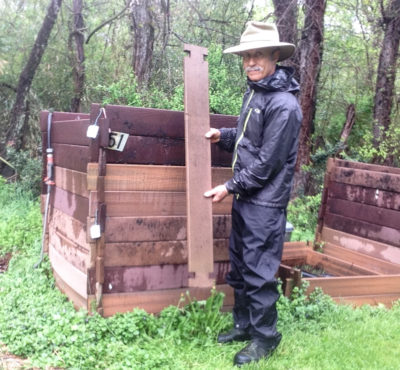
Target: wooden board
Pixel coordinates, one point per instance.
(336, 266)
(355, 193)
(156, 253)
(361, 259)
(122, 177)
(70, 251)
(366, 166)
(370, 247)
(156, 301)
(71, 204)
(75, 278)
(363, 229)
(70, 132)
(73, 157)
(357, 285)
(149, 203)
(155, 122)
(78, 301)
(59, 116)
(136, 229)
(363, 212)
(71, 181)
(377, 180)
(373, 300)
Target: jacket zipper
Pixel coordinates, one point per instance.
(242, 134)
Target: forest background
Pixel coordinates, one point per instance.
(68, 54)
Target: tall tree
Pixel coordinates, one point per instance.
(75, 44)
(286, 13)
(20, 107)
(386, 75)
(310, 50)
(143, 39)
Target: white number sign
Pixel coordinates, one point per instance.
(117, 140)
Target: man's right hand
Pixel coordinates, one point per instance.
(214, 135)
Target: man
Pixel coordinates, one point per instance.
(264, 147)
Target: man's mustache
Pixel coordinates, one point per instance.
(250, 69)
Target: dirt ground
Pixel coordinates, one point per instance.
(4, 262)
(9, 361)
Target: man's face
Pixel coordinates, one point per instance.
(259, 63)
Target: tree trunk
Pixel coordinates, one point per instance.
(286, 12)
(347, 127)
(386, 74)
(77, 39)
(143, 38)
(16, 123)
(310, 49)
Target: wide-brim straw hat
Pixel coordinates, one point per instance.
(260, 35)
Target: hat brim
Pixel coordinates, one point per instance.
(286, 49)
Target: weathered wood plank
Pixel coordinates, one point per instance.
(155, 122)
(357, 285)
(364, 229)
(70, 132)
(59, 116)
(149, 203)
(156, 301)
(376, 180)
(75, 229)
(70, 251)
(371, 214)
(167, 228)
(360, 194)
(156, 253)
(75, 278)
(71, 204)
(336, 266)
(361, 259)
(198, 170)
(366, 166)
(123, 177)
(73, 157)
(71, 181)
(370, 247)
(77, 300)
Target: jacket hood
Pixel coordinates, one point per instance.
(282, 80)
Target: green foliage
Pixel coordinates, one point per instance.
(29, 171)
(303, 214)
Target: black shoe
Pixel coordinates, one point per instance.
(235, 334)
(254, 351)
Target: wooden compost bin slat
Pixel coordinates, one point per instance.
(71, 204)
(155, 301)
(366, 166)
(370, 247)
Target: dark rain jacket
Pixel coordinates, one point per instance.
(265, 141)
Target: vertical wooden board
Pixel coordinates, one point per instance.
(198, 168)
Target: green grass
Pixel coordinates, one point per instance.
(37, 322)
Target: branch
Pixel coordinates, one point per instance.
(105, 23)
(5, 84)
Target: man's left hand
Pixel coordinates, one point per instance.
(218, 193)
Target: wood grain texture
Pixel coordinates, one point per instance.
(156, 253)
(361, 259)
(360, 194)
(357, 285)
(76, 279)
(376, 180)
(77, 300)
(363, 212)
(71, 204)
(70, 132)
(363, 229)
(367, 246)
(373, 300)
(149, 203)
(366, 166)
(59, 116)
(73, 157)
(71, 181)
(155, 301)
(131, 229)
(122, 177)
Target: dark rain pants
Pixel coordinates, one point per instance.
(255, 248)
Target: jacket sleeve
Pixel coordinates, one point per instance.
(281, 127)
(227, 139)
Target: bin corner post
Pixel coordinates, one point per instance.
(198, 169)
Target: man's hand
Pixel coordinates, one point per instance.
(218, 193)
(214, 135)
